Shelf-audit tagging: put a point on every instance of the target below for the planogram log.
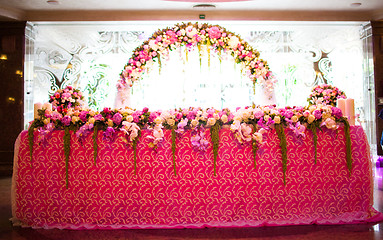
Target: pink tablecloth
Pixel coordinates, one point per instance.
(110, 195)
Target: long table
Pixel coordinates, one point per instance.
(110, 194)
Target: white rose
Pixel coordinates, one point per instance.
(312, 108)
(129, 118)
(158, 120)
(237, 119)
(191, 32)
(233, 42)
(211, 121)
(194, 122)
(153, 45)
(224, 118)
(311, 118)
(257, 137)
(170, 121)
(277, 119)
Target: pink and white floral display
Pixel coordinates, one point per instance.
(193, 35)
(325, 94)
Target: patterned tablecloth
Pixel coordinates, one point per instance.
(110, 195)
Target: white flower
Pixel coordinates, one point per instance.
(211, 121)
(257, 136)
(170, 121)
(158, 120)
(224, 118)
(194, 122)
(237, 118)
(294, 118)
(233, 42)
(191, 31)
(311, 118)
(266, 110)
(277, 119)
(129, 118)
(153, 45)
(330, 123)
(312, 108)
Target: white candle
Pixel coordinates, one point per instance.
(341, 103)
(47, 106)
(36, 107)
(350, 111)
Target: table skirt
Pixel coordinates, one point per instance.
(109, 194)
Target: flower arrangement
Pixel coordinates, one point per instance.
(325, 94)
(247, 124)
(217, 40)
(68, 97)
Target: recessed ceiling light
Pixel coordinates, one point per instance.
(204, 6)
(356, 4)
(53, 2)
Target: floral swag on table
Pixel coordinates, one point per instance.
(216, 39)
(247, 124)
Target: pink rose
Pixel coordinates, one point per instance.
(214, 32)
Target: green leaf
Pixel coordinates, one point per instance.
(95, 146)
(66, 152)
(283, 144)
(174, 135)
(214, 134)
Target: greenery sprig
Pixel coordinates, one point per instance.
(255, 147)
(174, 136)
(348, 145)
(283, 144)
(66, 152)
(95, 146)
(313, 128)
(31, 131)
(214, 134)
(135, 143)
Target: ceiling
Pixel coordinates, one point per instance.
(121, 10)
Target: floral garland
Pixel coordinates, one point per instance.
(189, 35)
(325, 94)
(247, 125)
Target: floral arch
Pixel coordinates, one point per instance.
(194, 35)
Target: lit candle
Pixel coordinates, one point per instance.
(36, 107)
(350, 111)
(341, 103)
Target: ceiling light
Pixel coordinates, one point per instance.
(356, 4)
(53, 2)
(204, 6)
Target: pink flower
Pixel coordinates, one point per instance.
(214, 32)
